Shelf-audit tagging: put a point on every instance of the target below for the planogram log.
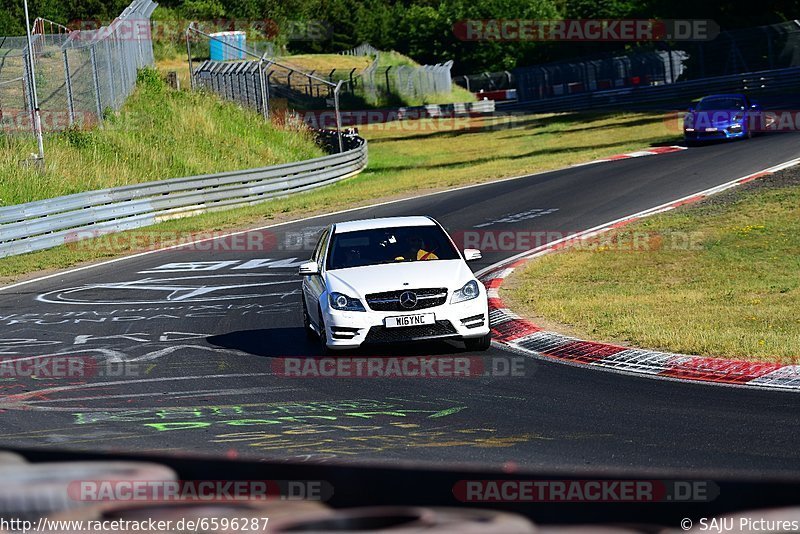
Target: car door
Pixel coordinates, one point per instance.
(313, 286)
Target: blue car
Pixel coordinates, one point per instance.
(716, 117)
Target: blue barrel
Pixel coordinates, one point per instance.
(220, 51)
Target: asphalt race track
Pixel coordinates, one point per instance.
(196, 347)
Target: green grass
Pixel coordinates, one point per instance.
(716, 279)
(411, 157)
(159, 133)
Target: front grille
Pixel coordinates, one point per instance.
(381, 334)
(390, 300)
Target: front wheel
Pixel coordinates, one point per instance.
(479, 343)
(323, 335)
(310, 333)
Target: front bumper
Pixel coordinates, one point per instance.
(728, 132)
(469, 319)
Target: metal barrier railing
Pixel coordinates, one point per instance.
(52, 222)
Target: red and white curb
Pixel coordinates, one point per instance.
(636, 154)
(521, 335)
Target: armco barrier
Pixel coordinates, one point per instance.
(48, 223)
(751, 83)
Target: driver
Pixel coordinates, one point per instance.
(418, 249)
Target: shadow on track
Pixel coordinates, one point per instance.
(292, 341)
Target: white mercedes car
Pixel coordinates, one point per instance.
(392, 280)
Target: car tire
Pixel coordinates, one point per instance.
(310, 333)
(323, 336)
(479, 343)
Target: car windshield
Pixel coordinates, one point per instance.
(714, 104)
(390, 245)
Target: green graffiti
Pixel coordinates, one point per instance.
(178, 426)
(448, 411)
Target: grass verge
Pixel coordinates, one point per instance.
(412, 157)
(718, 279)
(159, 133)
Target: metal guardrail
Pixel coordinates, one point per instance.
(751, 83)
(52, 222)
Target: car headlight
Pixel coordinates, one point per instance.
(735, 127)
(338, 301)
(468, 292)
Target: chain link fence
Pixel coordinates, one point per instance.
(79, 74)
(406, 81)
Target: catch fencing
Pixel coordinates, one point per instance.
(57, 221)
(758, 49)
(79, 74)
(406, 81)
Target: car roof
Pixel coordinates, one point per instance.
(383, 222)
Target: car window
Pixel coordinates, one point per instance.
(390, 245)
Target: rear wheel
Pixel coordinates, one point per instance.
(479, 343)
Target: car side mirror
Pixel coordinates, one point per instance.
(308, 268)
(471, 254)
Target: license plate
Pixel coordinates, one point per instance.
(409, 320)
(711, 129)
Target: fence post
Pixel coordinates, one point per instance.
(110, 73)
(352, 86)
(264, 86)
(338, 115)
(189, 56)
(310, 84)
(27, 86)
(466, 82)
(68, 85)
(96, 82)
(386, 75)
